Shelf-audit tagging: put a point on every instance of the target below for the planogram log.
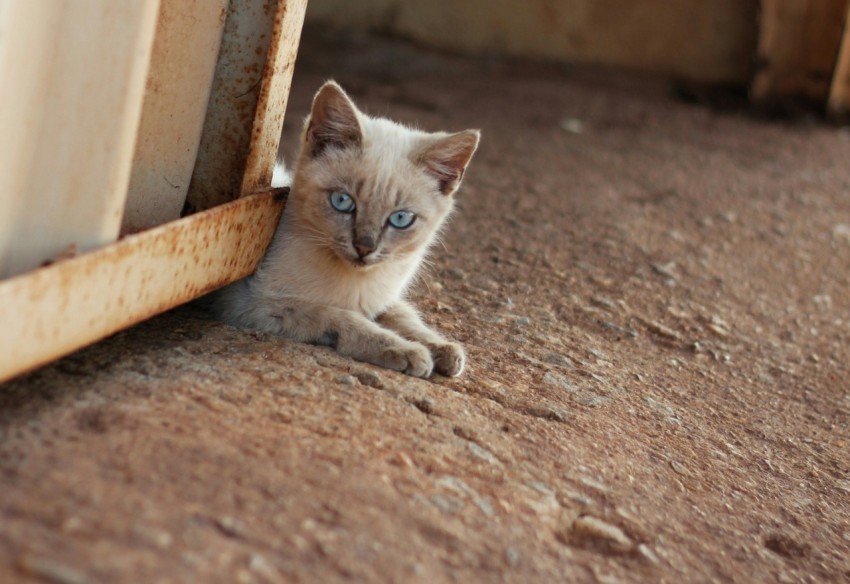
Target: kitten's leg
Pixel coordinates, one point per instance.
(449, 358)
(351, 333)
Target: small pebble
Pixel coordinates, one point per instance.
(660, 329)
(448, 505)
(512, 557)
(346, 379)
(52, 571)
(547, 413)
(230, 526)
(157, 537)
(718, 326)
(646, 553)
(572, 125)
(73, 524)
(323, 361)
(558, 380)
(841, 231)
(604, 303)
(482, 453)
(591, 528)
(679, 468)
(612, 326)
(592, 400)
(667, 270)
(579, 498)
(457, 273)
(599, 354)
(556, 359)
(594, 484)
(659, 407)
(370, 378)
(261, 566)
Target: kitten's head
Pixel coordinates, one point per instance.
(370, 190)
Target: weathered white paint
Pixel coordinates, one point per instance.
(72, 80)
(185, 50)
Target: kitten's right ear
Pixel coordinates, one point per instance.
(447, 158)
(333, 121)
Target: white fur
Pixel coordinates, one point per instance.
(281, 176)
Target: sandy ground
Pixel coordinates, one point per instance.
(654, 298)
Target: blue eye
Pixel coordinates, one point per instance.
(342, 202)
(402, 219)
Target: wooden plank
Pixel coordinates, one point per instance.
(274, 93)
(52, 311)
(188, 35)
(839, 92)
(797, 49)
(72, 81)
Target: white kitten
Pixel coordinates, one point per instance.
(368, 198)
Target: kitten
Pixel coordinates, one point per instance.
(368, 198)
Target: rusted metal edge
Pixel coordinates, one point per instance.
(274, 94)
(52, 311)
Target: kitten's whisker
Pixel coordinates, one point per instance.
(310, 231)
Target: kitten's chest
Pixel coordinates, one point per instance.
(316, 280)
(369, 293)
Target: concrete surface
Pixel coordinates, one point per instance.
(653, 295)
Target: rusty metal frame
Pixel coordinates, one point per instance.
(274, 94)
(54, 310)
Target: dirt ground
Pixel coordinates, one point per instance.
(654, 298)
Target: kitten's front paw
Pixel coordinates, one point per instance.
(449, 359)
(412, 359)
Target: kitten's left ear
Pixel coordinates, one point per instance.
(333, 121)
(447, 158)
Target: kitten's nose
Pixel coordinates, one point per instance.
(364, 245)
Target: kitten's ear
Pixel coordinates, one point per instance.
(332, 122)
(447, 158)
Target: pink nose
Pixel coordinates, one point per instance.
(364, 245)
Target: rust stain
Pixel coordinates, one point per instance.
(53, 311)
(239, 96)
(273, 95)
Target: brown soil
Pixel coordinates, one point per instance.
(654, 298)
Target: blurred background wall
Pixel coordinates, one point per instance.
(710, 41)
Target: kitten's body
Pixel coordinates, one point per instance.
(339, 277)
